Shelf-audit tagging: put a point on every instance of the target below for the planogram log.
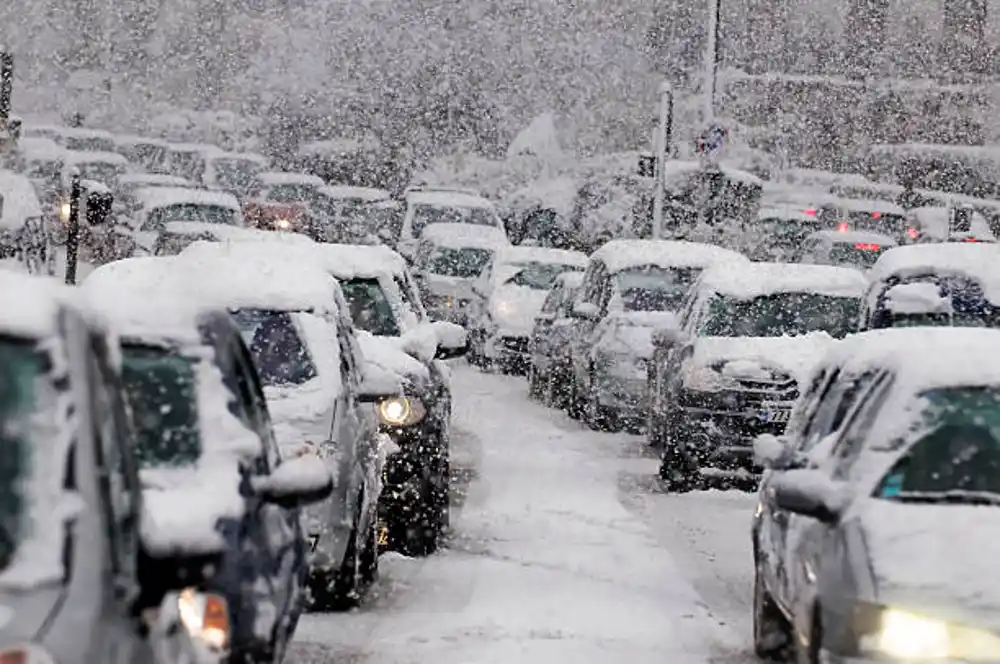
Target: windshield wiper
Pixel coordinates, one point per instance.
(954, 496)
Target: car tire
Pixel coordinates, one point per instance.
(772, 635)
(341, 589)
(369, 556)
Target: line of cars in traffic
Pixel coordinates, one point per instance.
(237, 432)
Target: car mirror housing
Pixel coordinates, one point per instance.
(810, 493)
(296, 482)
(769, 449)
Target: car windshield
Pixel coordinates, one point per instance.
(424, 215)
(955, 457)
(959, 302)
(148, 153)
(371, 310)
(860, 254)
(91, 144)
(466, 262)
(652, 288)
(278, 350)
(236, 174)
(292, 193)
(207, 214)
(162, 390)
(20, 407)
(101, 171)
(539, 276)
(188, 165)
(780, 314)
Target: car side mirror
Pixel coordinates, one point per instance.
(378, 384)
(667, 337)
(585, 311)
(810, 493)
(296, 482)
(769, 449)
(453, 340)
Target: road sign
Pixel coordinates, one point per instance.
(712, 139)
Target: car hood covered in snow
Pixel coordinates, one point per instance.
(937, 559)
(514, 308)
(749, 357)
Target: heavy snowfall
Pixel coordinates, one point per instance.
(469, 333)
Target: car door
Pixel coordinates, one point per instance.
(541, 334)
(354, 425)
(593, 291)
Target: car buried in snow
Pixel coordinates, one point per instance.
(631, 289)
(427, 206)
(349, 215)
(449, 260)
(951, 284)
(749, 336)
(872, 534)
(71, 486)
(214, 480)
(380, 299)
(511, 290)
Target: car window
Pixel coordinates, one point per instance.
(808, 405)
(780, 314)
(849, 447)
(252, 398)
(652, 288)
(370, 307)
(834, 407)
(292, 193)
(553, 299)
(279, 353)
(205, 214)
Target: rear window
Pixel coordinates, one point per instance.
(424, 215)
(466, 262)
(652, 288)
(780, 314)
(207, 214)
(279, 353)
(292, 193)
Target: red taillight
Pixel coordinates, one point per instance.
(912, 232)
(811, 212)
(842, 227)
(867, 247)
(970, 239)
(876, 215)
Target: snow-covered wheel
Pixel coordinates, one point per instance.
(771, 633)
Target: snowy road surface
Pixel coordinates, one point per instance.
(561, 554)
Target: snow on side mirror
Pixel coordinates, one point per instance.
(585, 311)
(810, 493)
(768, 449)
(378, 384)
(296, 482)
(666, 337)
(453, 341)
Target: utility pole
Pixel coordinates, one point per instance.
(663, 146)
(73, 232)
(712, 53)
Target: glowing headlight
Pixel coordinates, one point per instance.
(705, 379)
(909, 636)
(205, 616)
(64, 212)
(283, 224)
(26, 654)
(401, 411)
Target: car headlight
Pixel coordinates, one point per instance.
(401, 411)
(705, 379)
(904, 635)
(64, 211)
(283, 224)
(26, 654)
(205, 616)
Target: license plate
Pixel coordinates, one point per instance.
(313, 542)
(774, 415)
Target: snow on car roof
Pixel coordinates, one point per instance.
(154, 197)
(935, 221)
(441, 198)
(160, 179)
(750, 280)
(346, 191)
(81, 157)
(672, 169)
(855, 237)
(618, 255)
(460, 236)
(30, 304)
(973, 260)
(20, 202)
(132, 140)
(271, 178)
(507, 255)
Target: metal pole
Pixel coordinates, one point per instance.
(664, 140)
(73, 232)
(712, 54)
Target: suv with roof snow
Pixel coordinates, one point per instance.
(953, 284)
(511, 291)
(170, 213)
(868, 538)
(426, 207)
(204, 439)
(381, 301)
(750, 335)
(631, 289)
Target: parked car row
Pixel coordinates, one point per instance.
(262, 420)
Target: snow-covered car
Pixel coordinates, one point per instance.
(449, 260)
(349, 215)
(749, 338)
(233, 172)
(394, 332)
(103, 167)
(189, 160)
(942, 224)
(858, 249)
(42, 161)
(551, 368)
(26, 241)
(428, 206)
(631, 289)
(277, 187)
(145, 153)
(780, 230)
(130, 183)
(73, 138)
(512, 289)
(949, 284)
(159, 210)
(70, 483)
(319, 390)
(848, 214)
(213, 476)
(876, 549)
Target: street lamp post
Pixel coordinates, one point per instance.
(712, 58)
(663, 143)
